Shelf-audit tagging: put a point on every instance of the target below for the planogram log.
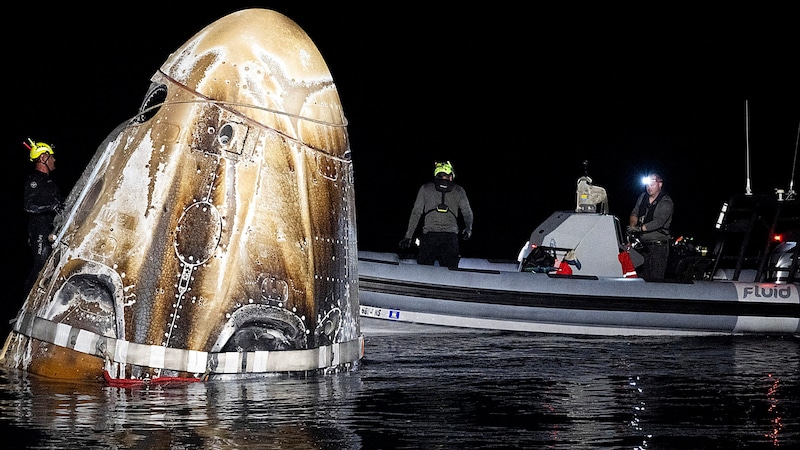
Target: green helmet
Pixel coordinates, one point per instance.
(443, 167)
(38, 148)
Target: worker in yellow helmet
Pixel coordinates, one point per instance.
(439, 203)
(42, 201)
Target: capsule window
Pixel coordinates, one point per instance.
(225, 135)
(155, 98)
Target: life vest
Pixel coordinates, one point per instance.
(647, 209)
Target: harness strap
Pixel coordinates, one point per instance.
(439, 208)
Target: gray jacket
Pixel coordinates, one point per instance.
(657, 218)
(426, 205)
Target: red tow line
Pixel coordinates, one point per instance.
(135, 382)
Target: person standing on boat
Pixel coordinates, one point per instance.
(439, 203)
(650, 219)
(42, 201)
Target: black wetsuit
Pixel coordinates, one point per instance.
(42, 201)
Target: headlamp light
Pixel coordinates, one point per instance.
(648, 180)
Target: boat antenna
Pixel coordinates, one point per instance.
(790, 195)
(747, 190)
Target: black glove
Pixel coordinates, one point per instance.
(466, 234)
(405, 243)
(635, 229)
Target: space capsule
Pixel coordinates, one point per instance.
(213, 235)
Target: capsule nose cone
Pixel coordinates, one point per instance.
(263, 65)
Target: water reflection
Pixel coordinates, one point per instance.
(280, 413)
(454, 390)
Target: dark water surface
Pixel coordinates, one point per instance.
(448, 390)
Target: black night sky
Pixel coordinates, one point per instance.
(516, 98)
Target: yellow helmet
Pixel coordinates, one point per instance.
(443, 167)
(38, 148)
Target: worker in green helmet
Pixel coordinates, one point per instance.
(42, 201)
(439, 204)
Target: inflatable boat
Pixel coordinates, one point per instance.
(576, 275)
